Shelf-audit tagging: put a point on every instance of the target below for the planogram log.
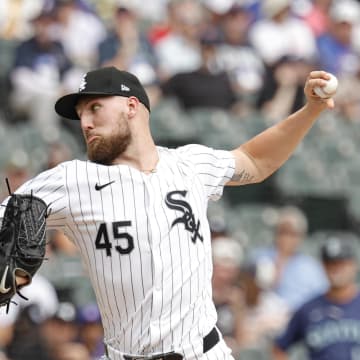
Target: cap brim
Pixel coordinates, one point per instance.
(66, 105)
(338, 258)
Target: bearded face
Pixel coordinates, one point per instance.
(105, 148)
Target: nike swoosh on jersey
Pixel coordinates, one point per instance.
(99, 187)
(3, 289)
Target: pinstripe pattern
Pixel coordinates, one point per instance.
(150, 272)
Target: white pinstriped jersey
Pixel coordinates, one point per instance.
(145, 242)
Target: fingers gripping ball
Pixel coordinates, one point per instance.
(329, 89)
(22, 242)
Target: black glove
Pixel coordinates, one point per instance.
(22, 243)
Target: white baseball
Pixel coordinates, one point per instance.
(329, 89)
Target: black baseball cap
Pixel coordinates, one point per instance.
(336, 248)
(104, 81)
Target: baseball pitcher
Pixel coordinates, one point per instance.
(137, 213)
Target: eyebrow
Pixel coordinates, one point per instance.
(85, 101)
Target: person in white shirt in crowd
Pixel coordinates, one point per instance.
(280, 33)
(179, 50)
(74, 25)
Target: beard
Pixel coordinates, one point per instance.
(104, 150)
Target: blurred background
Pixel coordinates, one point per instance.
(217, 72)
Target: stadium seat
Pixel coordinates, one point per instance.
(171, 126)
(253, 224)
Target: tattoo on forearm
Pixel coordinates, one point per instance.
(243, 177)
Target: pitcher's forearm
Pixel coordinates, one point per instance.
(271, 148)
(259, 157)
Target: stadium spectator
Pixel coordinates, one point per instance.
(264, 313)
(15, 18)
(205, 87)
(280, 33)
(282, 92)
(328, 325)
(179, 50)
(91, 330)
(20, 327)
(228, 298)
(60, 334)
(17, 170)
(41, 293)
(37, 76)
(125, 44)
(74, 24)
(26, 341)
(235, 55)
(127, 47)
(168, 23)
(217, 8)
(317, 17)
(336, 48)
(298, 276)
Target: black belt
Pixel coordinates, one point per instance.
(209, 341)
(165, 356)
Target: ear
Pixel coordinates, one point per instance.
(133, 104)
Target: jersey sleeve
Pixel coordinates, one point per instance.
(293, 333)
(49, 186)
(213, 167)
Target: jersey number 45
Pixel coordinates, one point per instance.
(102, 240)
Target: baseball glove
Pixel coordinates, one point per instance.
(22, 243)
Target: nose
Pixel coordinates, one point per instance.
(86, 122)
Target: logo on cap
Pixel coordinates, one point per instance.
(124, 88)
(83, 83)
(334, 247)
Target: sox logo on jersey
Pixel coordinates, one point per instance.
(188, 219)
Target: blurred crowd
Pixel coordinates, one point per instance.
(240, 57)
(231, 54)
